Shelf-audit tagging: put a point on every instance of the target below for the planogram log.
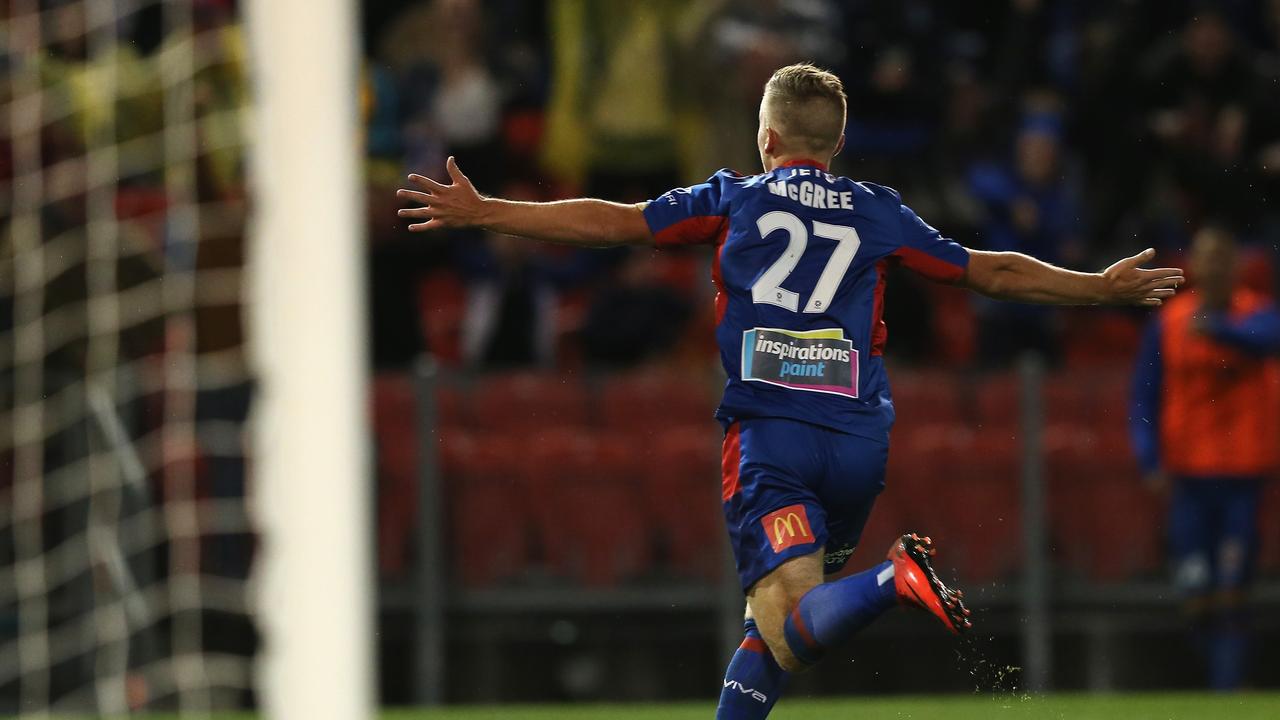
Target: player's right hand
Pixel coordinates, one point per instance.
(443, 206)
(1128, 284)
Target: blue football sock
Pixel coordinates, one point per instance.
(753, 681)
(832, 612)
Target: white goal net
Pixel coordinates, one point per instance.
(126, 538)
(124, 542)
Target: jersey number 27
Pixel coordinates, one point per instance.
(768, 288)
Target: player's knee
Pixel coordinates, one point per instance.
(772, 624)
(787, 660)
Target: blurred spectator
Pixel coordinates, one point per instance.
(451, 100)
(614, 116)
(398, 262)
(636, 317)
(1264, 131)
(1199, 93)
(510, 310)
(745, 43)
(513, 294)
(1031, 207)
(892, 116)
(1031, 203)
(380, 107)
(1204, 419)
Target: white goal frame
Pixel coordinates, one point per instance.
(312, 483)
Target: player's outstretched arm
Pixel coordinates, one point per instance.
(1013, 276)
(592, 223)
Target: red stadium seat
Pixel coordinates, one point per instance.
(681, 487)
(885, 525)
(442, 303)
(455, 449)
(954, 324)
(396, 444)
(489, 532)
(476, 455)
(1087, 397)
(579, 489)
(691, 451)
(1069, 399)
(654, 399)
(560, 455)
(572, 307)
(525, 400)
(395, 422)
(1096, 338)
(1104, 525)
(594, 532)
(1111, 390)
(453, 408)
(998, 401)
(917, 473)
(962, 488)
(927, 397)
(982, 496)
(1128, 529)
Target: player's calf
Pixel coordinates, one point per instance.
(772, 598)
(831, 613)
(800, 617)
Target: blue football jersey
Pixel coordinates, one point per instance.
(799, 270)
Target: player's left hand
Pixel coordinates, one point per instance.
(443, 206)
(1128, 284)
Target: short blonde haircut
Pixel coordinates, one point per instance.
(806, 106)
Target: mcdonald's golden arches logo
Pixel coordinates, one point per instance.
(787, 527)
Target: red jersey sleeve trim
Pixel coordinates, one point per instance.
(929, 266)
(700, 230)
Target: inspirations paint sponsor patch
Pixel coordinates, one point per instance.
(812, 360)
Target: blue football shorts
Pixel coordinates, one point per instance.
(791, 488)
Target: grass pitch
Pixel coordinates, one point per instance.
(1168, 706)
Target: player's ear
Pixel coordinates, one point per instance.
(839, 145)
(771, 140)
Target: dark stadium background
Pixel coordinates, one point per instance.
(553, 464)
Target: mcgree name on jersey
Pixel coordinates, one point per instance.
(814, 195)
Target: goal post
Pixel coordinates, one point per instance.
(185, 487)
(313, 487)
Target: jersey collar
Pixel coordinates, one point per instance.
(804, 162)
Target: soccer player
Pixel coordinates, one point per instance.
(799, 270)
(1205, 423)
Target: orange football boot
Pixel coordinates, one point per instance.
(917, 584)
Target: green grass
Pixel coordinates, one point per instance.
(1169, 706)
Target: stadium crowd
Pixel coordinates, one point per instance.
(1067, 130)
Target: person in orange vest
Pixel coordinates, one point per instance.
(1205, 425)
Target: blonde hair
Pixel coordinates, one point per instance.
(806, 106)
